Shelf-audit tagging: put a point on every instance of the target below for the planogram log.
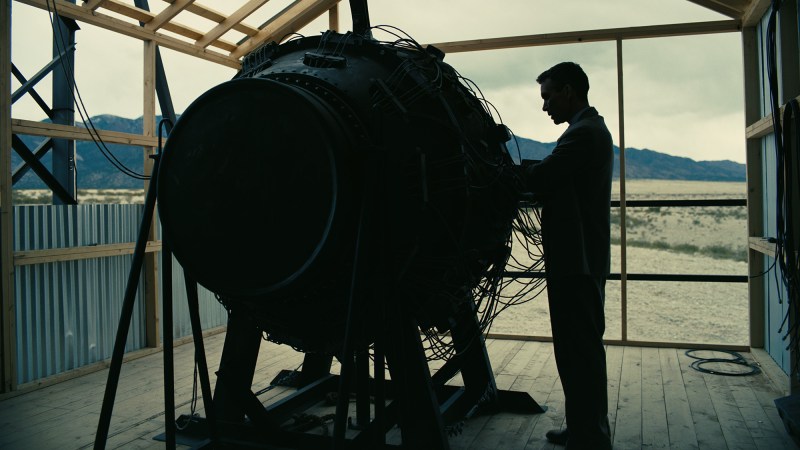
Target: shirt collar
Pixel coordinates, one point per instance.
(577, 115)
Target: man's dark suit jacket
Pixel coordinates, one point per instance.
(574, 183)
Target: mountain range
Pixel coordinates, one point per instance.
(96, 172)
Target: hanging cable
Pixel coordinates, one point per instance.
(786, 174)
(78, 100)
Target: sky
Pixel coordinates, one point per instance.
(682, 95)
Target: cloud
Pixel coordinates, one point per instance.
(682, 95)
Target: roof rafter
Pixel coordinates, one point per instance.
(93, 4)
(231, 21)
(80, 13)
(215, 16)
(294, 17)
(755, 12)
(146, 17)
(609, 34)
(167, 14)
(731, 8)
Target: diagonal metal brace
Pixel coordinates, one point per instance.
(25, 153)
(36, 97)
(39, 75)
(23, 168)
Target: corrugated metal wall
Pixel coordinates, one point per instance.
(212, 314)
(67, 313)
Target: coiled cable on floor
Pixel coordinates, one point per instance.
(737, 359)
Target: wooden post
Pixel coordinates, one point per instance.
(151, 284)
(755, 187)
(7, 313)
(333, 18)
(623, 258)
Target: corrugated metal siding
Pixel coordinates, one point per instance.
(67, 313)
(212, 314)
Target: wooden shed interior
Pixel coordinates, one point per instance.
(200, 31)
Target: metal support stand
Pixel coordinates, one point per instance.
(127, 313)
(237, 366)
(169, 354)
(120, 341)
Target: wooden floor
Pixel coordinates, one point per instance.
(655, 401)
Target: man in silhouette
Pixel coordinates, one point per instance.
(573, 184)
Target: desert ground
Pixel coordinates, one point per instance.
(660, 240)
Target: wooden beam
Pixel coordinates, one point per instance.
(333, 18)
(67, 9)
(146, 17)
(627, 343)
(8, 332)
(29, 257)
(138, 14)
(19, 126)
(215, 16)
(764, 125)
(760, 128)
(609, 34)
(755, 12)
(150, 269)
(294, 17)
(223, 27)
(730, 8)
(92, 5)
(167, 14)
(755, 186)
(762, 245)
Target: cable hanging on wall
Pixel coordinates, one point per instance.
(787, 173)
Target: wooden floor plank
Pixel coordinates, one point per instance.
(732, 423)
(655, 432)
(706, 423)
(756, 418)
(613, 374)
(502, 351)
(547, 386)
(628, 428)
(680, 427)
(677, 406)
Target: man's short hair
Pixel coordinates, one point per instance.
(567, 73)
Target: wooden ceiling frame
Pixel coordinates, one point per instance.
(731, 8)
(223, 27)
(749, 12)
(291, 19)
(97, 18)
(167, 14)
(755, 12)
(215, 16)
(301, 12)
(608, 34)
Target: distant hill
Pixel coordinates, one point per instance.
(95, 172)
(647, 163)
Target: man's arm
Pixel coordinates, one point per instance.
(562, 164)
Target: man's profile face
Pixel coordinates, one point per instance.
(555, 101)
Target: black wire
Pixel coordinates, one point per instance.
(78, 100)
(786, 171)
(737, 359)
